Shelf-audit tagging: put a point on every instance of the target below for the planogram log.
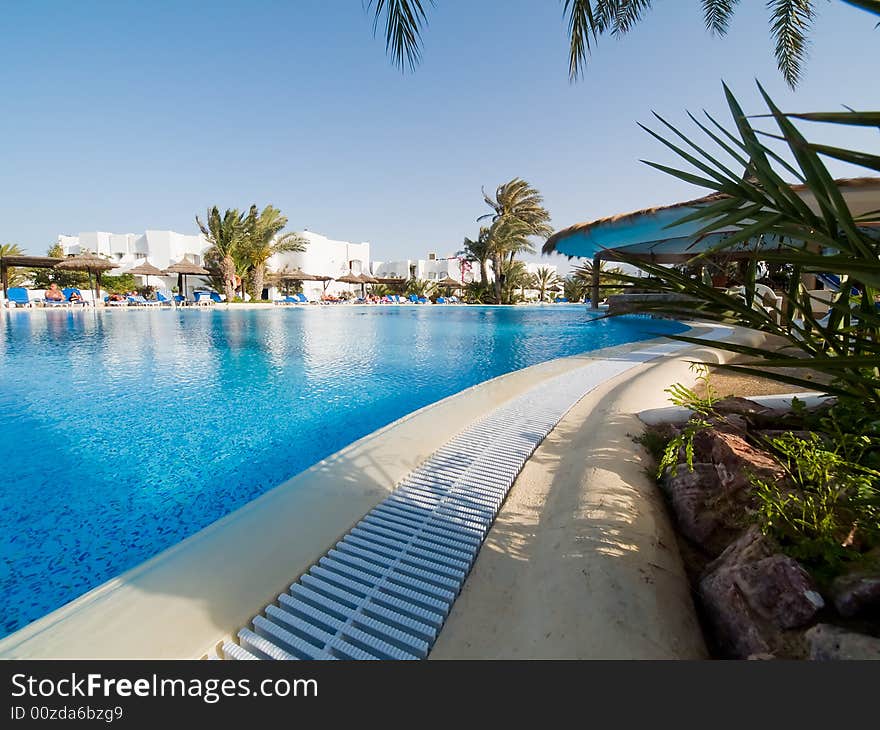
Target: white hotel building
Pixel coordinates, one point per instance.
(323, 257)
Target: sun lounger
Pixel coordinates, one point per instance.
(302, 298)
(17, 296)
(215, 297)
(115, 303)
(70, 291)
(164, 298)
(286, 300)
(140, 301)
(203, 297)
(55, 302)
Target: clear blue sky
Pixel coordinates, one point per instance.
(122, 116)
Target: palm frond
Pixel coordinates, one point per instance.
(717, 14)
(404, 20)
(790, 22)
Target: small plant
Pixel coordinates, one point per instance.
(681, 395)
(828, 513)
(684, 440)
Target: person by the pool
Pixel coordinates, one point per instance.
(54, 293)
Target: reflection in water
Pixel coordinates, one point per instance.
(125, 431)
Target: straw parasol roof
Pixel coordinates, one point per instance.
(653, 225)
(90, 263)
(450, 282)
(146, 269)
(368, 279)
(350, 279)
(186, 267)
(85, 262)
(294, 275)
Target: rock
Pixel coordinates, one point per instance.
(739, 407)
(702, 514)
(736, 460)
(827, 642)
(858, 591)
(761, 657)
(752, 594)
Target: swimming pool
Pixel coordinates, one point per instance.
(123, 432)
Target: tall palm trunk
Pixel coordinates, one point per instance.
(484, 274)
(228, 270)
(259, 276)
(496, 264)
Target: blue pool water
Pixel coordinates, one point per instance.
(124, 432)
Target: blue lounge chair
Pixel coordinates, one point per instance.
(18, 296)
(413, 298)
(203, 297)
(215, 297)
(139, 301)
(69, 291)
(441, 300)
(164, 298)
(56, 302)
(180, 299)
(301, 298)
(423, 300)
(286, 300)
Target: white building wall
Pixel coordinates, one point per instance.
(127, 250)
(324, 257)
(429, 269)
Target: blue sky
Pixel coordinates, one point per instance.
(122, 116)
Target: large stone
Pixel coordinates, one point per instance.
(737, 461)
(827, 642)
(739, 407)
(702, 512)
(753, 594)
(858, 592)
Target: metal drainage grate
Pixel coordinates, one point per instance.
(384, 590)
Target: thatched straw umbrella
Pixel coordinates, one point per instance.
(291, 275)
(184, 268)
(325, 281)
(350, 278)
(366, 279)
(89, 262)
(145, 269)
(450, 283)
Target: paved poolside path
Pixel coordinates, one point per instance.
(581, 562)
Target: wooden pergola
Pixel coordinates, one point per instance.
(28, 262)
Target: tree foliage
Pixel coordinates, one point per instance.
(827, 237)
(791, 22)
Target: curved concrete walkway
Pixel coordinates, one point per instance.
(581, 562)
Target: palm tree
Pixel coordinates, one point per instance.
(517, 214)
(262, 240)
(574, 288)
(608, 277)
(225, 236)
(514, 276)
(420, 287)
(790, 24)
(13, 276)
(545, 277)
(479, 250)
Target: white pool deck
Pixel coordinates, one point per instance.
(188, 600)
